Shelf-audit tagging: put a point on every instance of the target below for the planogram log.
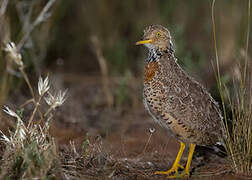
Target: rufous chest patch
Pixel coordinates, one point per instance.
(150, 71)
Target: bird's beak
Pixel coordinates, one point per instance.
(143, 42)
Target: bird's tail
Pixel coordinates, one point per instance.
(219, 149)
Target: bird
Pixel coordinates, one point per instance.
(176, 101)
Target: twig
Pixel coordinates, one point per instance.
(33, 114)
(104, 70)
(48, 111)
(25, 16)
(33, 100)
(152, 130)
(27, 102)
(27, 82)
(41, 17)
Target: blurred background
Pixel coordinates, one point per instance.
(88, 47)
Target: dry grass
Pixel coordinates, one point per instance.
(30, 150)
(237, 125)
(27, 18)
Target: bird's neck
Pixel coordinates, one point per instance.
(155, 54)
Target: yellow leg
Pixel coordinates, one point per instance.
(176, 164)
(189, 160)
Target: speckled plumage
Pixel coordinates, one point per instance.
(174, 99)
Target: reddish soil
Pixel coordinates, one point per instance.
(125, 137)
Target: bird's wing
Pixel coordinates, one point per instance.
(186, 100)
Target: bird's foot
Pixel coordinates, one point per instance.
(183, 174)
(174, 171)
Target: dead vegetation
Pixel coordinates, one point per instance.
(238, 124)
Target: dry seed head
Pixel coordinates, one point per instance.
(7, 110)
(5, 138)
(14, 54)
(56, 100)
(43, 86)
(152, 130)
(8, 140)
(20, 132)
(61, 97)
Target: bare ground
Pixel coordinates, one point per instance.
(121, 142)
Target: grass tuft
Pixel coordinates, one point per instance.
(30, 151)
(237, 125)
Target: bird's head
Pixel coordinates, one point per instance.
(156, 37)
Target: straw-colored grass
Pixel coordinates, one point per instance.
(30, 150)
(238, 125)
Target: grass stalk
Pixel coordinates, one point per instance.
(238, 140)
(27, 81)
(48, 111)
(152, 130)
(34, 111)
(247, 43)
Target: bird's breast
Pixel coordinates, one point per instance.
(150, 71)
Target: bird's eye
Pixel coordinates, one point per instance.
(158, 34)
